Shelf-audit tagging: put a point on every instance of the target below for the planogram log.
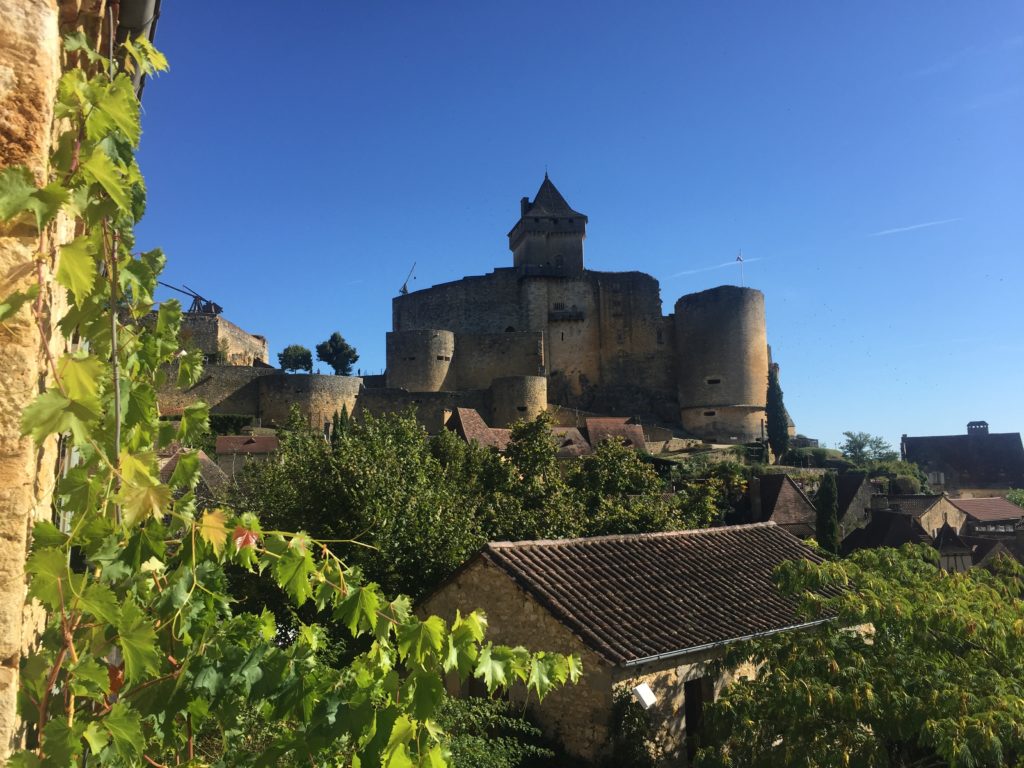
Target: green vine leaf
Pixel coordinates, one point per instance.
(125, 728)
(16, 188)
(76, 268)
(116, 109)
(101, 169)
(358, 611)
(10, 306)
(293, 569)
(138, 643)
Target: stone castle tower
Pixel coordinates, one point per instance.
(549, 330)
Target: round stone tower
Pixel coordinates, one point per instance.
(421, 361)
(722, 363)
(516, 398)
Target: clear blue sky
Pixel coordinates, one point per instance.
(868, 159)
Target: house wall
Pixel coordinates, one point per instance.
(942, 512)
(577, 715)
(29, 71)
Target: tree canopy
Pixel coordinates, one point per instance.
(337, 353)
(862, 448)
(916, 668)
(295, 357)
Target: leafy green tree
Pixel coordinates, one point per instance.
(295, 357)
(144, 657)
(337, 353)
(862, 448)
(826, 502)
(917, 667)
(777, 417)
(1016, 496)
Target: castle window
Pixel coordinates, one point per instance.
(554, 221)
(572, 221)
(536, 221)
(510, 329)
(563, 335)
(521, 408)
(712, 381)
(440, 357)
(709, 413)
(558, 306)
(660, 339)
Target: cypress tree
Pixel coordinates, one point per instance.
(778, 419)
(827, 503)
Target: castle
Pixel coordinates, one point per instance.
(545, 331)
(579, 338)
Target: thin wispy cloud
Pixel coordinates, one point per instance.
(913, 226)
(723, 265)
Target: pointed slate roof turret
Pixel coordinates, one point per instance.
(549, 202)
(548, 238)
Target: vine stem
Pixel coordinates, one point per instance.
(115, 363)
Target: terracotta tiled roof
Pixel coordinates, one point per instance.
(991, 510)
(468, 424)
(630, 598)
(227, 444)
(783, 503)
(615, 428)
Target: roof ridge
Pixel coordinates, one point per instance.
(627, 536)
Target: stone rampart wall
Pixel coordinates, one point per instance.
(482, 358)
(317, 396)
(432, 408)
(227, 389)
(484, 304)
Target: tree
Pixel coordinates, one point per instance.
(295, 357)
(778, 418)
(917, 667)
(862, 448)
(826, 502)
(1016, 496)
(337, 353)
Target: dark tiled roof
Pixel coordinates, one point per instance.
(246, 444)
(634, 597)
(947, 540)
(977, 459)
(848, 484)
(915, 504)
(886, 529)
(783, 503)
(985, 550)
(570, 442)
(549, 202)
(609, 428)
(991, 510)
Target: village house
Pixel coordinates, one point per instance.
(930, 511)
(648, 608)
(989, 515)
(233, 451)
(778, 499)
(971, 464)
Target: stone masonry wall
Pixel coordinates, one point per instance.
(227, 389)
(577, 715)
(482, 358)
(212, 334)
(317, 396)
(29, 70)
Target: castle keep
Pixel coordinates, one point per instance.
(547, 329)
(544, 331)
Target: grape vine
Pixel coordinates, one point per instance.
(142, 651)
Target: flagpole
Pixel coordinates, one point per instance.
(739, 258)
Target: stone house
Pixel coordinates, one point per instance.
(855, 490)
(993, 515)
(233, 451)
(929, 510)
(648, 608)
(971, 464)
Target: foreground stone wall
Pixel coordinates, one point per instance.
(29, 70)
(578, 715)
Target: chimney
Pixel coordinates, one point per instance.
(977, 427)
(524, 206)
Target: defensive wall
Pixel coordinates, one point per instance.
(267, 395)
